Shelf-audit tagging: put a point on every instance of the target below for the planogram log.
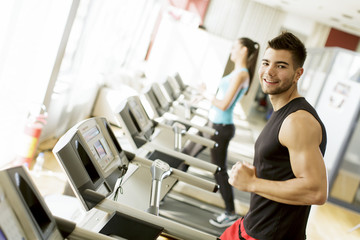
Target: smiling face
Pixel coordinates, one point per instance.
(277, 72)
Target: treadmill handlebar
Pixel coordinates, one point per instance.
(204, 129)
(196, 181)
(159, 171)
(65, 227)
(184, 177)
(194, 138)
(201, 140)
(129, 155)
(92, 196)
(189, 160)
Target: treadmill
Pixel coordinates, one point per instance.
(123, 185)
(140, 131)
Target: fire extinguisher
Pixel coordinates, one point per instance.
(35, 122)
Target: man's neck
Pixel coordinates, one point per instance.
(280, 100)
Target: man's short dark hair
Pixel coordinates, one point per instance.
(288, 41)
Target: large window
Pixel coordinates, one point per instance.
(40, 64)
(108, 38)
(30, 33)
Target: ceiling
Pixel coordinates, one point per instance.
(343, 15)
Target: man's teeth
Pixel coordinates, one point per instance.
(269, 81)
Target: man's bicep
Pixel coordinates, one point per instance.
(306, 161)
(301, 134)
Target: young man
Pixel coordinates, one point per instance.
(289, 173)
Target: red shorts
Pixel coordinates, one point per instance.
(232, 232)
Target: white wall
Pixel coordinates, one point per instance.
(237, 18)
(299, 24)
(180, 46)
(224, 17)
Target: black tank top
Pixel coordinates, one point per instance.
(268, 219)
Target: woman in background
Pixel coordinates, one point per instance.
(231, 88)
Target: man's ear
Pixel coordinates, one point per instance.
(298, 73)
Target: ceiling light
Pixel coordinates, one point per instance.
(353, 28)
(347, 16)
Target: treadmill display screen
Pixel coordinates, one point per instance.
(138, 114)
(90, 134)
(98, 146)
(100, 149)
